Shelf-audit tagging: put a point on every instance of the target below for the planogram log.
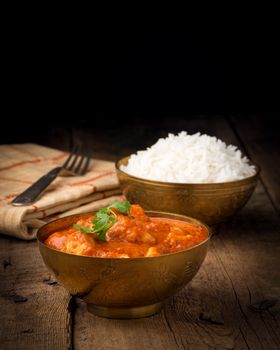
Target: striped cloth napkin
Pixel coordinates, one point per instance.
(21, 165)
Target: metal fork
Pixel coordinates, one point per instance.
(30, 195)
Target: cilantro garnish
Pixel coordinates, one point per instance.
(122, 207)
(104, 219)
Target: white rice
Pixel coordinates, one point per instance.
(187, 158)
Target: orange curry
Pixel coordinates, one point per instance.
(136, 235)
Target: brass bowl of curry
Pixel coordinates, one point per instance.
(211, 203)
(122, 287)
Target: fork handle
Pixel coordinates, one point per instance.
(32, 193)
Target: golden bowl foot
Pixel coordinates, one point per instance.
(124, 312)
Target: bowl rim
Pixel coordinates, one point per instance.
(209, 231)
(188, 184)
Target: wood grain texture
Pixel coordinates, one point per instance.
(222, 306)
(262, 140)
(213, 311)
(239, 270)
(35, 310)
(94, 332)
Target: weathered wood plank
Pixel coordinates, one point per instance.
(212, 312)
(239, 270)
(35, 310)
(261, 137)
(94, 332)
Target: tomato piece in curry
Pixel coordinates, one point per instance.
(136, 235)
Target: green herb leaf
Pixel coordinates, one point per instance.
(100, 220)
(103, 211)
(122, 207)
(102, 226)
(101, 235)
(103, 220)
(82, 228)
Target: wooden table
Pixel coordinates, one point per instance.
(230, 304)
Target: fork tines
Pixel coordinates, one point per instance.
(75, 156)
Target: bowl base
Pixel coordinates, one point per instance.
(124, 312)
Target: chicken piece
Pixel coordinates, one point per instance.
(123, 256)
(178, 238)
(85, 222)
(56, 240)
(152, 251)
(129, 230)
(74, 246)
(138, 213)
(158, 229)
(121, 231)
(146, 238)
(79, 243)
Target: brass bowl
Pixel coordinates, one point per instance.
(210, 202)
(122, 288)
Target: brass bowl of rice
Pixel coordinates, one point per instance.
(211, 203)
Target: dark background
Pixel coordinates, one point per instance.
(143, 78)
(118, 93)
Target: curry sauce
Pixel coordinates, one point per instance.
(132, 236)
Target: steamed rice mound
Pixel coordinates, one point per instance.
(187, 158)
